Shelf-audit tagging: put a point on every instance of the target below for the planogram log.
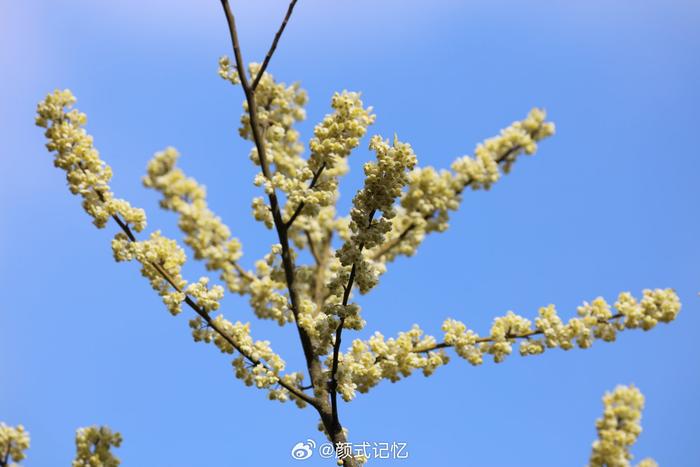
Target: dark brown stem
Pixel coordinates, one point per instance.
(312, 361)
(266, 61)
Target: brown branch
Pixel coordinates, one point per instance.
(312, 361)
(205, 316)
(397, 240)
(273, 46)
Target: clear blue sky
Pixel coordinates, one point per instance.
(607, 205)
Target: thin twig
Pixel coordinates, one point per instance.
(273, 46)
(4, 462)
(310, 241)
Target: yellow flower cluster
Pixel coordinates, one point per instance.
(264, 376)
(265, 288)
(162, 258)
(87, 175)
(384, 180)
(13, 442)
(158, 254)
(279, 107)
(619, 429)
(334, 139)
(209, 238)
(482, 170)
(367, 363)
(431, 194)
(595, 320)
(227, 71)
(339, 132)
(93, 447)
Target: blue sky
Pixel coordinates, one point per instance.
(607, 205)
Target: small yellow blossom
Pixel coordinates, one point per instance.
(13, 442)
(87, 175)
(425, 205)
(209, 238)
(93, 447)
(619, 429)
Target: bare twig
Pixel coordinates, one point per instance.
(274, 45)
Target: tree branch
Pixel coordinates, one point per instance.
(312, 361)
(396, 241)
(210, 322)
(268, 57)
(203, 314)
(310, 241)
(481, 340)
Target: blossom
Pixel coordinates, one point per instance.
(93, 447)
(335, 137)
(87, 175)
(209, 238)
(367, 362)
(619, 429)
(431, 194)
(161, 261)
(384, 180)
(13, 442)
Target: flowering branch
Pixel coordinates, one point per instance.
(333, 428)
(333, 384)
(312, 361)
(300, 208)
(212, 323)
(397, 206)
